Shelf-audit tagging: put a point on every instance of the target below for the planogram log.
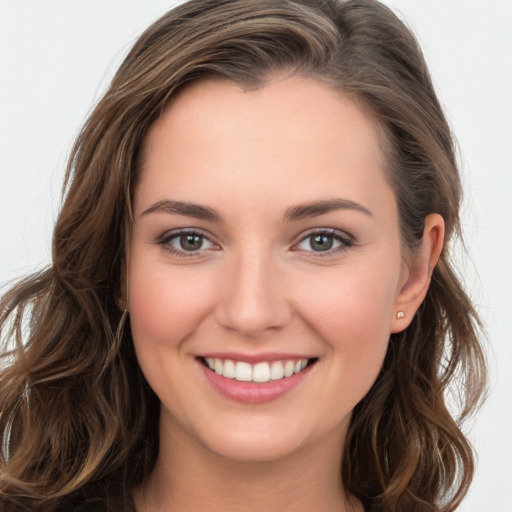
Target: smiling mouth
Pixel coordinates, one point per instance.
(260, 372)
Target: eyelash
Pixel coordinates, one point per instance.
(345, 242)
(166, 239)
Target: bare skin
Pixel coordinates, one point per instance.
(247, 486)
(264, 225)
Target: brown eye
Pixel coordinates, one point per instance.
(321, 242)
(190, 242)
(186, 243)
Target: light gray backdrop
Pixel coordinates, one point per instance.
(56, 57)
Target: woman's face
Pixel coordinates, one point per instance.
(264, 232)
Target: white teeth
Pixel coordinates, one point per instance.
(229, 369)
(277, 371)
(260, 372)
(288, 368)
(243, 371)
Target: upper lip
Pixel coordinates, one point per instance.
(255, 358)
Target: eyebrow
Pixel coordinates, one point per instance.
(314, 209)
(182, 208)
(294, 213)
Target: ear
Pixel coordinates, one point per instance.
(416, 275)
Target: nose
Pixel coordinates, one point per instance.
(253, 296)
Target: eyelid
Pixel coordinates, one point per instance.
(346, 240)
(165, 239)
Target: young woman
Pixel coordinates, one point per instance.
(251, 304)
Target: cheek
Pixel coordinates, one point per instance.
(351, 311)
(166, 305)
(359, 299)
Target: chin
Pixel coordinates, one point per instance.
(247, 449)
(267, 438)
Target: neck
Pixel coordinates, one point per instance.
(187, 475)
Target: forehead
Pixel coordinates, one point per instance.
(290, 139)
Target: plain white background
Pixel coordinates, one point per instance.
(57, 56)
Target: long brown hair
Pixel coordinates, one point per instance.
(79, 423)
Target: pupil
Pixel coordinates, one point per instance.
(191, 242)
(321, 242)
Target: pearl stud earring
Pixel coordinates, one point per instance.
(400, 314)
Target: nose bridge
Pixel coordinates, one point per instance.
(253, 299)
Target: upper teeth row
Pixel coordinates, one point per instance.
(260, 372)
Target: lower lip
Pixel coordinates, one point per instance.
(252, 392)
